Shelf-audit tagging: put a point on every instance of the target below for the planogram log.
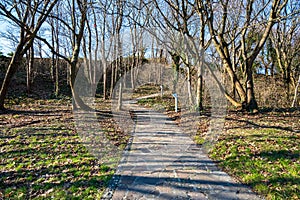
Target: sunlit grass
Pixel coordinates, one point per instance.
(165, 103)
(43, 157)
(266, 159)
(39, 164)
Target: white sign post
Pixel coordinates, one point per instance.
(176, 102)
(161, 90)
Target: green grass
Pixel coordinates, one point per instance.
(145, 90)
(165, 103)
(266, 159)
(42, 156)
(40, 164)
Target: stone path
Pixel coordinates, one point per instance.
(161, 162)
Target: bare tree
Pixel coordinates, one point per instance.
(90, 49)
(119, 58)
(55, 33)
(29, 67)
(73, 24)
(137, 33)
(107, 30)
(230, 24)
(286, 42)
(77, 31)
(180, 25)
(266, 58)
(103, 49)
(29, 16)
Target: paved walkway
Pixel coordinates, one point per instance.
(161, 162)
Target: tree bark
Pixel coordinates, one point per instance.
(103, 57)
(57, 70)
(120, 97)
(29, 67)
(12, 68)
(296, 93)
(189, 85)
(176, 63)
(251, 101)
(199, 95)
(199, 88)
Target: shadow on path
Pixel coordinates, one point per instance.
(162, 162)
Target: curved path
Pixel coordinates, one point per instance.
(161, 162)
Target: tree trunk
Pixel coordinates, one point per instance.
(120, 97)
(132, 76)
(112, 83)
(119, 66)
(272, 71)
(296, 93)
(238, 86)
(221, 87)
(113, 67)
(104, 78)
(77, 101)
(103, 59)
(251, 104)
(199, 88)
(30, 62)
(189, 79)
(176, 60)
(160, 66)
(57, 70)
(56, 76)
(288, 80)
(266, 71)
(199, 97)
(12, 68)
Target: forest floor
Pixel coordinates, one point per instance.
(42, 155)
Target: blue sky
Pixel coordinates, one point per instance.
(5, 45)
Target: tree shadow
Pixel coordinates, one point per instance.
(165, 187)
(251, 124)
(46, 154)
(34, 170)
(276, 155)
